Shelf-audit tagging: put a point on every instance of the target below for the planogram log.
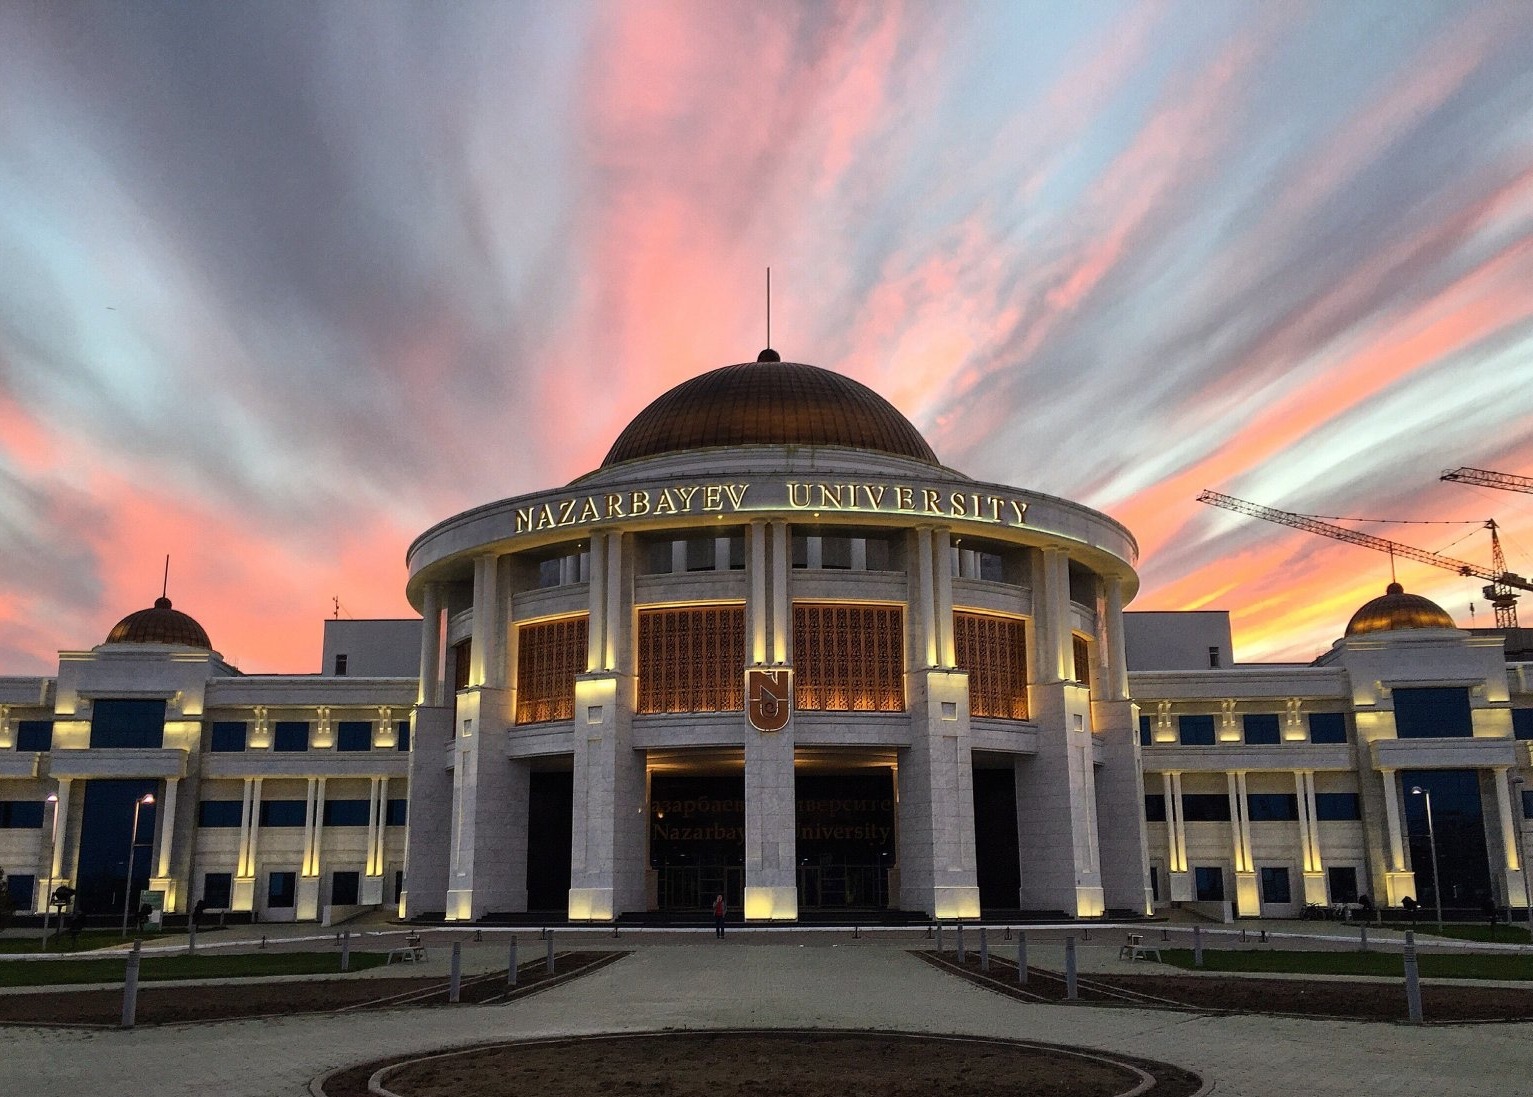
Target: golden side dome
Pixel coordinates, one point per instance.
(1397, 610)
(159, 625)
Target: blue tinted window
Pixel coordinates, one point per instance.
(217, 889)
(1338, 806)
(220, 813)
(118, 723)
(344, 888)
(1275, 887)
(1201, 807)
(1527, 803)
(354, 735)
(1269, 807)
(22, 888)
(1262, 729)
(290, 735)
(395, 816)
(1196, 731)
(346, 813)
(228, 737)
(1145, 738)
(1155, 807)
(1327, 727)
(34, 735)
(1342, 884)
(402, 735)
(281, 888)
(1432, 713)
(21, 814)
(1522, 723)
(1209, 880)
(283, 813)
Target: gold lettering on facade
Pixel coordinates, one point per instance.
(1019, 509)
(589, 512)
(959, 502)
(639, 503)
(875, 494)
(793, 494)
(737, 499)
(904, 498)
(665, 504)
(929, 500)
(831, 499)
(524, 519)
(546, 517)
(686, 497)
(567, 512)
(713, 497)
(614, 505)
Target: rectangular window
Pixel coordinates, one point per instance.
(994, 651)
(220, 813)
(700, 554)
(1338, 806)
(34, 735)
(395, 814)
(281, 889)
(227, 737)
(1522, 724)
(21, 814)
(1201, 807)
(283, 813)
(127, 723)
(217, 889)
(1275, 887)
(1195, 731)
(1146, 736)
(1213, 659)
(548, 656)
(878, 558)
(800, 551)
(354, 735)
(1080, 650)
(1155, 883)
(1272, 807)
(1209, 882)
(344, 888)
(1261, 729)
(657, 558)
(550, 572)
(23, 889)
(1154, 807)
(291, 736)
(1432, 712)
(836, 553)
(462, 658)
(1527, 803)
(346, 813)
(340, 665)
(991, 567)
(1342, 883)
(848, 658)
(692, 660)
(402, 735)
(1327, 727)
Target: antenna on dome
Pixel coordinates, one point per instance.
(165, 586)
(769, 355)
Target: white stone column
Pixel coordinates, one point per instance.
(942, 612)
(782, 569)
(374, 814)
(925, 608)
(596, 606)
(1051, 608)
(167, 827)
(61, 812)
(431, 647)
(1115, 682)
(1306, 850)
(1247, 891)
(243, 897)
(429, 828)
(1182, 890)
(481, 648)
(1505, 817)
(1398, 881)
(615, 625)
(1174, 861)
(757, 609)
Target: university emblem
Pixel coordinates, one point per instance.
(768, 697)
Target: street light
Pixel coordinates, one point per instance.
(1522, 849)
(127, 889)
(1437, 881)
(52, 798)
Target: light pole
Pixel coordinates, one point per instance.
(1522, 848)
(127, 888)
(52, 798)
(1437, 882)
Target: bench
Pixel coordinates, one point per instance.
(412, 950)
(1134, 948)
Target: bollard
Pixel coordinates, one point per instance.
(1363, 929)
(984, 950)
(1007, 935)
(1197, 946)
(455, 978)
(191, 939)
(1021, 957)
(928, 931)
(1070, 989)
(511, 965)
(614, 929)
(939, 938)
(1165, 934)
(960, 954)
(1412, 980)
(346, 951)
(478, 935)
(1263, 938)
(1242, 934)
(130, 986)
(550, 952)
(856, 933)
(263, 940)
(1088, 933)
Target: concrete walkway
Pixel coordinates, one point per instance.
(702, 983)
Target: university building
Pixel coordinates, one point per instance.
(772, 648)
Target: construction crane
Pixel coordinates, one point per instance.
(1487, 479)
(1503, 584)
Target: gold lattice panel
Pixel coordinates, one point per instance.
(692, 659)
(848, 658)
(1081, 651)
(994, 651)
(548, 656)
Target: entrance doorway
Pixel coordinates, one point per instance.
(550, 812)
(997, 852)
(846, 839)
(106, 827)
(697, 839)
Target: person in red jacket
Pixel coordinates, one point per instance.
(718, 916)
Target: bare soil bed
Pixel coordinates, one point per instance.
(1320, 997)
(769, 1064)
(165, 1005)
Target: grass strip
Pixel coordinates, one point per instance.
(1431, 964)
(209, 966)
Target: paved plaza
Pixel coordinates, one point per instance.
(810, 980)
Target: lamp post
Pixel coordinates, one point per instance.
(1522, 849)
(52, 798)
(127, 888)
(1437, 883)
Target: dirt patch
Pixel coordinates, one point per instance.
(770, 1064)
(181, 1004)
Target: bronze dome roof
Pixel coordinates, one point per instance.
(159, 625)
(769, 402)
(1397, 610)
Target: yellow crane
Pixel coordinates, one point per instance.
(1503, 584)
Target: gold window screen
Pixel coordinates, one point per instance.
(848, 658)
(692, 659)
(994, 652)
(1082, 653)
(548, 657)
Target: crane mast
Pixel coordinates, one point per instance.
(1503, 584)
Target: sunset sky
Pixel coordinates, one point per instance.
(282, 284)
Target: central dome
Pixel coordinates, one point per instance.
(1395, 609)
(769, 403)
(159, 624)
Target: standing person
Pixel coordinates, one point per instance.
(718, 916)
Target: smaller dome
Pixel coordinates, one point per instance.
(159, 625)
(1397, 610)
